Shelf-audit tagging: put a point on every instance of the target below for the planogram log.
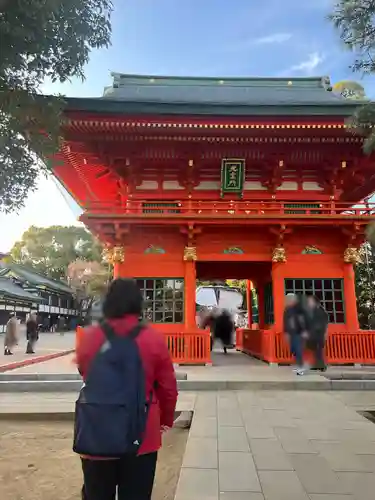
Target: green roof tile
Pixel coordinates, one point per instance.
(237, 96)
(11, 290)
(34, 278)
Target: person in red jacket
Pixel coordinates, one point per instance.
(133, 475)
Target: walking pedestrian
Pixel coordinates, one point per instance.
(224, 328)
(207, 319)
(11, 335)
(317, 324)
(127, 401)
(31, 333)
(295, 330)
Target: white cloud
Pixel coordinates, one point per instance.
(273, 39)
(309, 65)
(250, 43)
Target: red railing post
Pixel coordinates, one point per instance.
(239, 339)
(189, 347)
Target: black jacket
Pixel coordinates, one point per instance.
(317, 323)
(31, 330)
(294, 320)
(223, 327)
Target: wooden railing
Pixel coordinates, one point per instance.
(230, 209)
(341, 347)
(189, 348)
(272, 347)
(184, 347)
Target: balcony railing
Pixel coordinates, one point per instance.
(184, 347)
(341, 347)
(230, 209)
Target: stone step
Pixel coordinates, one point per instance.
(182, 419)
(302, 384)
(35, 377)
(55, 377)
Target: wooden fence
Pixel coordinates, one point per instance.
(184, 347)
(341, 347)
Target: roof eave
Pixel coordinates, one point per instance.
(110, 106)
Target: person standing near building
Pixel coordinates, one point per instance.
(11, 335)
(31, 333)
(317, 324)
(295, 325)
(127, 402)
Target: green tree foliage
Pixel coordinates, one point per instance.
(365, 287)
(50, 250)
(241, 284)
(355, 20)
(89, 281)
(39, 39)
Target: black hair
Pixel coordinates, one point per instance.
(123, 297)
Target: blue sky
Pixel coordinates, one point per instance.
(197, 38)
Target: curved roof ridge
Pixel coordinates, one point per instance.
(218, 79)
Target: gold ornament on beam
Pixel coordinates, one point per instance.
(114, 255)
(352, 256)
(190, 253)
(279, 254)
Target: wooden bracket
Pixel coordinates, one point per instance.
(353, 234)
(191, 231)
(280, 232)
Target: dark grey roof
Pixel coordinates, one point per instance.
(11, 290)
(34, 278)
(225, 91)
(134, 95)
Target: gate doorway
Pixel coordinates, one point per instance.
(257, 304)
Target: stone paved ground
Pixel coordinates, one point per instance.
(264, 445)
(234, 366)
(277, 445)
(62, 402)
(48, 343)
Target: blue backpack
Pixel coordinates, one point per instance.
(112, 407)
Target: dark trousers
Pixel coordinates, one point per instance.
(318, 350)
(296, 347)
(30, 346)
(132, 477)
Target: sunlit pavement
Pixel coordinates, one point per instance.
(262, 445)
(48, 343)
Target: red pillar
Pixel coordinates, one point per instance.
(350, 299)
(278, 292)
(190, 295)
(116, 270)
(249, 287)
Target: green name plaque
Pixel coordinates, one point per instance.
(232, 176)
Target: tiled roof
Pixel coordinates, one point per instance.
(34, 278)
(136, 95)
(225, 91)
(10, 289)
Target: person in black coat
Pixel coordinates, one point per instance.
(221, 326)
(295, 325)
(317, 324)
(31, 333)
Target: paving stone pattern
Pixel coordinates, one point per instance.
(48, 343)
(278, 445)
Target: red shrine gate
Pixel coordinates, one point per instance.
(198, 178)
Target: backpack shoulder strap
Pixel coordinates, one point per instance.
(136, 330)
(110, 334)
(108, 331)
